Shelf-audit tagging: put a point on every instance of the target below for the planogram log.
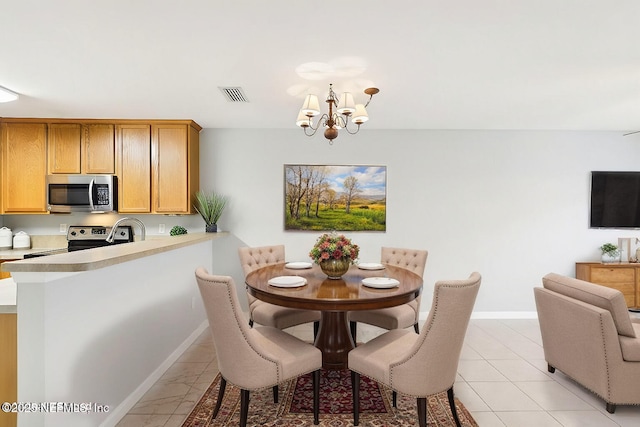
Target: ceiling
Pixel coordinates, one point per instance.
(456, 64)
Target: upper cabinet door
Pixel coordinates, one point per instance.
(24, 167)
(169, 159)
(98, 149)
(64, 147)
(134, 168)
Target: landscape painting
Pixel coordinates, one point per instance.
(340, 198)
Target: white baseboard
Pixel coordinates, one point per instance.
(495, 315)
(116, 414)
(504, 315)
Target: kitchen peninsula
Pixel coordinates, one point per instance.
(102, 325)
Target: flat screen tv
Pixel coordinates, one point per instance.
(615, 200)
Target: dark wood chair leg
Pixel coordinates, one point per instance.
(452, 405)
(244, 407)
(316, 397)
(355, 391)
(354, 328)
(611, 407)
(550, 368)
(422, 411)
(316, 327)
(416, 328)
(394, 398)
(223, 386)
(275, 393)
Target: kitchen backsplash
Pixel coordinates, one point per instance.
(56, 224)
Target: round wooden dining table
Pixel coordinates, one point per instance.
(334, 298)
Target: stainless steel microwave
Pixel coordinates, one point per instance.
(82, 193)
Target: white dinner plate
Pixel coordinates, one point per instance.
(380, 282)
(287, 281)
(298, 265)
(370, 266)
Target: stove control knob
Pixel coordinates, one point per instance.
(73, 233)
(82, 231)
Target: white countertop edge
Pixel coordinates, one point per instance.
(96, 258)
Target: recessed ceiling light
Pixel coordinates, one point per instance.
(7, 95)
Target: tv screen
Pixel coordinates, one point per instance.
(615, 198)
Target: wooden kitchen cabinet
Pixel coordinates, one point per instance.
(63, 154)
(8, 365)
(98, 149)
(156, 161)
(134, 168)
(158, 167)
(624, 277)
(87, 148)
(24, 167)
(174, 168)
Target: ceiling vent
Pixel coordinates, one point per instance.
(234, 94)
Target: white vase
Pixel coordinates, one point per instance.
(606, 258)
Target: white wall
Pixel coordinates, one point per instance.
(512, 205)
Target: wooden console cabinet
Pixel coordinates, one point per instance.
(624, 277)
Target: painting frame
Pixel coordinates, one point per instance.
(321, 197)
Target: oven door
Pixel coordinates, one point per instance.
(81, 193)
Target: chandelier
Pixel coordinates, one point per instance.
(334, 120)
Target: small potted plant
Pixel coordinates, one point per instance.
(210, 206)
(178, 230)
(334, 253)
(610, 253)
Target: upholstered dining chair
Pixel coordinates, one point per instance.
(265, 313)
(401, 316)
(252, 358)
(420, 364)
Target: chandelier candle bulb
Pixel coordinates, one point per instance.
(303, 120)
(348, 105)
(311, 106)
(360, 116)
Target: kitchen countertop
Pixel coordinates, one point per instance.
(12, 254)
(92, 259)
(38, 244)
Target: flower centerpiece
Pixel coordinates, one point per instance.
(334, 253)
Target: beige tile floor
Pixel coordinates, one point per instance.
(502, 380)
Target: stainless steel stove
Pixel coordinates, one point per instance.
(80, 237)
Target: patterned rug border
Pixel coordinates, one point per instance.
(263, 412)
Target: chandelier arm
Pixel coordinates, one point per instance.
(367, 104)
(321, 123)
(346, 127)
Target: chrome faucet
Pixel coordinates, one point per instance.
(112, 233)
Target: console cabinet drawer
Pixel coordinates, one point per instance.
(623, 277)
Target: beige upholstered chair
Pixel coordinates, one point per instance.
(588, 334)
(420, 364)
(252, 358)
(265, 313)
(401, 316)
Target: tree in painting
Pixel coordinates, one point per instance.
(348, 198)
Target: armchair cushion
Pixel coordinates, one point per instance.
(631, 346)
(608, 299)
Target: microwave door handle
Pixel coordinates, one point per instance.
(91, 194)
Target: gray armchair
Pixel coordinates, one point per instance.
(588, 334)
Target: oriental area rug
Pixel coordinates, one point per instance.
(294, 407)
